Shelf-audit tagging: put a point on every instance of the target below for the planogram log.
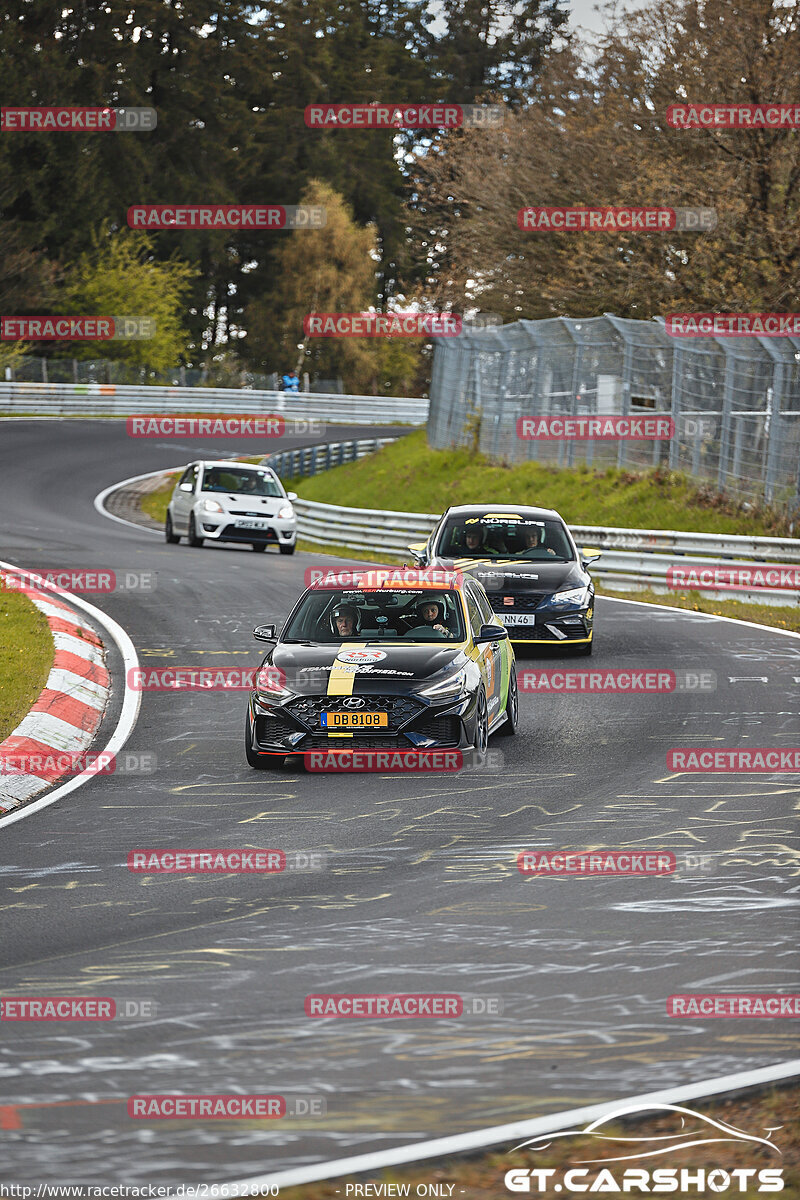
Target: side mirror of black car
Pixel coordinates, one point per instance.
(264, 633)
(491, 633)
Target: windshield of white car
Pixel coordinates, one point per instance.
(507, 538)
(246, 483)
(409, 615)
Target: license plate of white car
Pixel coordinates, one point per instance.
(252, 524)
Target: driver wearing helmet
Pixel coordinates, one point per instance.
(534, 536)
(345, 620)
(430, 610)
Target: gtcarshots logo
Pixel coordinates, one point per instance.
(692, 1129)
(77, 120)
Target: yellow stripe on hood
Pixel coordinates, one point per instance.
(342, 676)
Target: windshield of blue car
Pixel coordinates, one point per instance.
(349, 614)
(240, 483)
(505, 538)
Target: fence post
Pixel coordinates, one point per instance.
(725, 425)
(774, 438)
(675, 407)
(44, 369)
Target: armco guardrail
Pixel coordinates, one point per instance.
(641, 566)
(67, 399)
(310, 460)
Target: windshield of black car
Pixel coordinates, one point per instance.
(350, 614)
(505, 538)
(247, 483)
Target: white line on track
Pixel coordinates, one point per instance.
(101, 497)
(129, 712)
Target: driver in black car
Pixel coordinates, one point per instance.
(345, 620)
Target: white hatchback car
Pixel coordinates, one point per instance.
(231, 502)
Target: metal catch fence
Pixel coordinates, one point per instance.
(734, 402)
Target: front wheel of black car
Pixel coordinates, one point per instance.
(481, 739)
(511, 723)
(258, 762)
(582, 651)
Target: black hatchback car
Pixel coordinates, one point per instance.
(535, 576)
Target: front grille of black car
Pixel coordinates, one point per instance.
(233, 533)
(540, 633)
(445, 730)
(359, 741)
(273, 729)
(400, 709)
(528, 602)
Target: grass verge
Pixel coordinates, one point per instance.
(407, 475)
(482, 1177)
(26, 656)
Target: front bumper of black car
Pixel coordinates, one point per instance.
(294, 726)
(545, 626)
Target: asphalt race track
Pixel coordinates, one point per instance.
(420, 890)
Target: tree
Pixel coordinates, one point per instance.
(596, 134)
(332, 269)
(119, 277)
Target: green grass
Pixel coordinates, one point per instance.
(26, 656)
(410, 477)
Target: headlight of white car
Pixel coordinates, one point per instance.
(212, 506)
(286, 512)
